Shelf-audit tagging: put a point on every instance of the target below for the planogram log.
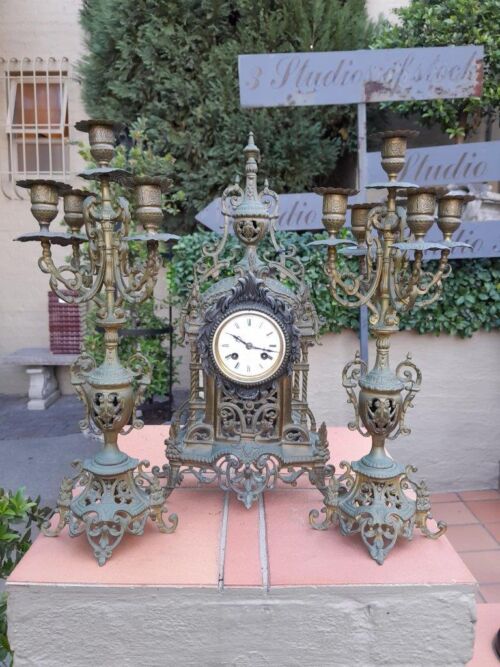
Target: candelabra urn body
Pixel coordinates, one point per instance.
(370, 497)
(110, 494)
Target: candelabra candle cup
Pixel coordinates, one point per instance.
(73, 208)
(334, 207)
(393, 150)
(359, 220)
(421, 207)
(101, 138)
(44, 195)
(450, 208)
(148, 198)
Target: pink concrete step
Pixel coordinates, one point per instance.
(297, 592)
(269, 546)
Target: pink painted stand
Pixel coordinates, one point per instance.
(241, 587)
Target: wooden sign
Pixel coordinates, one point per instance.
(442, 165)
(352, 77)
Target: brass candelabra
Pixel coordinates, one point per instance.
(369, 497)
(112, 493)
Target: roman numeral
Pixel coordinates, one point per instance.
(249, 322)
(270, 333)
(238, 363)
(248, 369)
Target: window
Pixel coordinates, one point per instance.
(37, 122)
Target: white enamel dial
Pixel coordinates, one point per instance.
(249, 346)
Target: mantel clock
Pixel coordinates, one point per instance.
(249, 323)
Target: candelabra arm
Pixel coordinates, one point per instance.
(352, 285)
(359, 289)
(141, 277)
(418, 284)
(75, 281)
(96, 241)
(350, 378)
(125, 217)
(443, 271)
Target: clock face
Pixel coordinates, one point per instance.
(249, 346)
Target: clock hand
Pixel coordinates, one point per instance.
(251, 346)
(240, 340)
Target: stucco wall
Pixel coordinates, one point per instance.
(30, 29)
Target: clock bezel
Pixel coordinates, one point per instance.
(250, 309)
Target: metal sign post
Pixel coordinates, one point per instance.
(362, 173)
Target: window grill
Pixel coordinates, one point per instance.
(34, 141)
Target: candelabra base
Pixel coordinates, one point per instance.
(112, 501)
(375, 506)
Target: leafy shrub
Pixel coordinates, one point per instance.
(175, 65)
(18, 516)
(438, 23)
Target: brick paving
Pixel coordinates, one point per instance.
(474, 530)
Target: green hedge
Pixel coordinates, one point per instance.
(470, 301)
(175, 65)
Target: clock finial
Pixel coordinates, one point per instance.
(250, 209)
(251, 150)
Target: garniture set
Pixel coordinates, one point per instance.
(249, 323)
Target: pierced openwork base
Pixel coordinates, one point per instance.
(376, 508)
(110, 505)
(247, 470)
(247, 480)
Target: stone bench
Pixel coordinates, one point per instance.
(40, 364)
(237, 587)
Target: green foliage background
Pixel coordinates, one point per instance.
(18, 516)
(441, 23)
(175, 64)
(471, 298)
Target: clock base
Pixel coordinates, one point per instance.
(248, 468)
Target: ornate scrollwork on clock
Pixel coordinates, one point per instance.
(247, 418)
